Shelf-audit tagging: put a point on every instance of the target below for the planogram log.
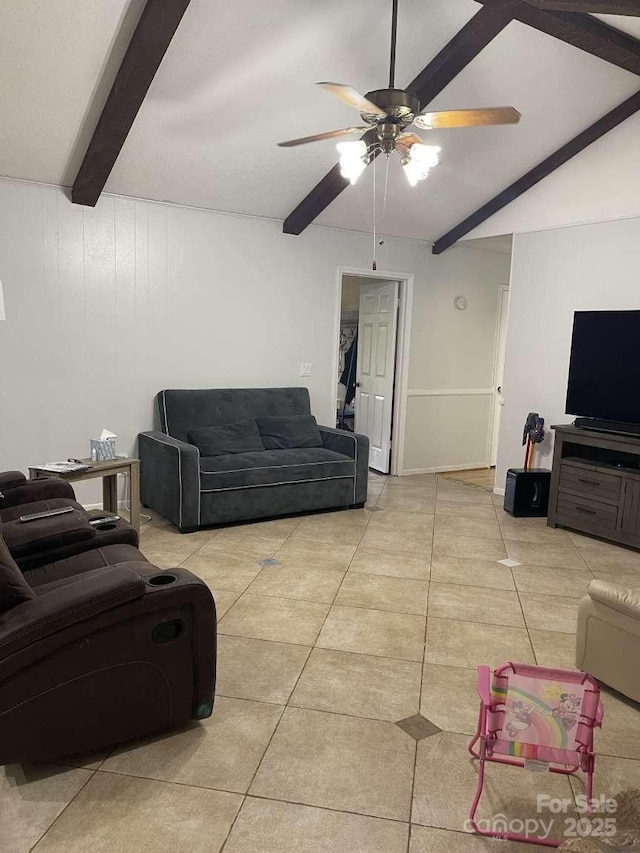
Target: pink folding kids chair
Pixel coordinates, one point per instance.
(535, 714)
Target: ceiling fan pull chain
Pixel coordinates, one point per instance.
(374, 266)
(384, 201)
(394, 30)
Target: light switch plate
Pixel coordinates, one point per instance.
(305, 368)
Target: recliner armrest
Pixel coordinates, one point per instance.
(93, 593)
(24, 538)
(11, 479)
(619, 598)
(31, 491)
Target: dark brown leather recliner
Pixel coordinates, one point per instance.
(93, 653)
(39, 542)
(16, 490)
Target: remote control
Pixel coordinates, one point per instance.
(32, 516)
(104, 519)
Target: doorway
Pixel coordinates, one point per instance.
(372, 353)
(498, 370)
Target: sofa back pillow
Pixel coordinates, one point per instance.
(238, 437)
(285, 432)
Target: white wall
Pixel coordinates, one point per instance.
(555, 273)
(106, 306)
(452, 363)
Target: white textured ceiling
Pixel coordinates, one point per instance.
(238, 77)
(57, 62)
(499, 245)
(627, 23)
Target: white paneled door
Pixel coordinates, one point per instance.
(377, 328)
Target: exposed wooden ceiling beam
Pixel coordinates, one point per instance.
(148, 45)
(456, 55)
(595, 7)
(579, 30)
(546, 167)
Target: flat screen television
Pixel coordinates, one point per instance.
(604, 371)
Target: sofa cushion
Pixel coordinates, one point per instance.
(291, 431)
(238, 437)
(271, 467)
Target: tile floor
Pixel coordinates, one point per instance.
(360, 620)
(485, 477)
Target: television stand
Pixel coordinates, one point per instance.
(595, 484)
(607, 426)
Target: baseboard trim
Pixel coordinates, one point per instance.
(442, 469)
(121, 505)
(498, 491)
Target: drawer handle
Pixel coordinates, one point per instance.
(589, 482)
(586, 510)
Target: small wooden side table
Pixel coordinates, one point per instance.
(109, 471)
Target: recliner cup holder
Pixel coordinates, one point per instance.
(163, 579)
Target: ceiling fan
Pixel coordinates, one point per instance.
(390, 112)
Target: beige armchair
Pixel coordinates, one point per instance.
(608, 641)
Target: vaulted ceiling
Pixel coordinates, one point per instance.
(238, 77)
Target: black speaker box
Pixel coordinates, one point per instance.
(526, 493)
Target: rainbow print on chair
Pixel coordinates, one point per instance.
(538, 713)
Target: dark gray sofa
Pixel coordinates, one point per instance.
(195, 491)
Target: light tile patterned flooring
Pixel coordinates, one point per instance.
(366, 618)
(485, 477)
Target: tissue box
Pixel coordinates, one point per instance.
(105, 449)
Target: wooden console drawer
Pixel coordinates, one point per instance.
(593, 484)
(583, 512)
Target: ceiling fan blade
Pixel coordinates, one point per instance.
(352, 98)
(406, 140)
(318, 137)
(467, 118)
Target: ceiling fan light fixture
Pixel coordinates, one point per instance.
(353, 159)
(418, 162)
